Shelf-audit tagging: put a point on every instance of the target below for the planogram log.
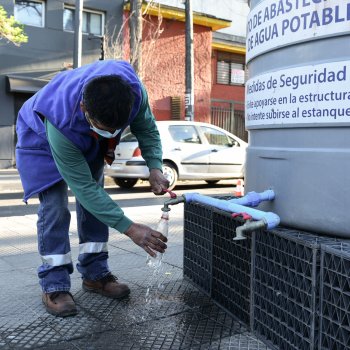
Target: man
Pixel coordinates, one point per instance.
(65, 132)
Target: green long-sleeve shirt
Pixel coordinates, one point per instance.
(75, 171)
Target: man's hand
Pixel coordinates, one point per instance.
(148, 239)
(158, 181)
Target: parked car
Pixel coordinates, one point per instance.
(191, 151)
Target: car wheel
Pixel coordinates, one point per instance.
(170, 173)
(212, 182)
(124, 182)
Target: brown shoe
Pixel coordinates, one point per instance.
(59, 304)
(107, 286)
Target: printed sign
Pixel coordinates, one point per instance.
(237, 76)
(276, 23)
(310, 94)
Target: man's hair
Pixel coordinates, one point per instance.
(108, 100)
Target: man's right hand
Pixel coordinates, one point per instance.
(148, 239)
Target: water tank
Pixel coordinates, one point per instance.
(298, 111)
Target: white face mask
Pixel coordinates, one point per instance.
(105, 133)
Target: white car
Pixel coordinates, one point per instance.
(191, 151)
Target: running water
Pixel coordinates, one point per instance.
(154, 289)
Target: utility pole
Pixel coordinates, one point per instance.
(78, 22)
(189, 64)
(136, 35)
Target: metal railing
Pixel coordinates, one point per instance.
(229, 115)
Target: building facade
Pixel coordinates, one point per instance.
(49, 25)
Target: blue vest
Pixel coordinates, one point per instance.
(59, 102)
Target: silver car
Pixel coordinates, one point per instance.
(191, 151)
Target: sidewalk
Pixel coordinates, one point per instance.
(178, 317)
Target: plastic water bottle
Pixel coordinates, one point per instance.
(163, 228)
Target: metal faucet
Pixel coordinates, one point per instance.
(248, 226)
(172, 201)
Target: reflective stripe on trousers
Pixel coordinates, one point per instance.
(93, 247)
(57, 259)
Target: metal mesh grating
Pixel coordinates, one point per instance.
(231, 269)
(335, 297)
(285, 291)
(198, 237)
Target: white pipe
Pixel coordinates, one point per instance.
(270, 219)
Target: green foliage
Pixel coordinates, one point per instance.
(10, 29)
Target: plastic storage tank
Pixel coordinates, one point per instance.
(298, 111)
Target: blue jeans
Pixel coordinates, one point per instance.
(53, 238)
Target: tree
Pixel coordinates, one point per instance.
(135, 23)
(117, 44)
(10, 29)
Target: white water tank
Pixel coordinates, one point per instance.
(298, 111)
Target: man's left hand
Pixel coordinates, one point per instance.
(158, 181)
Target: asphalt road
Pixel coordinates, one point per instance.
(11, 194)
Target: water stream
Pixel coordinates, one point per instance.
(155, 284)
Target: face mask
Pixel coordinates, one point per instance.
(105, 133)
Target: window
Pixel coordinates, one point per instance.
(230, 69)
(218, 138)
(185, 134)
(93, 22)
(30, 12)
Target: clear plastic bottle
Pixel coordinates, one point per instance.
(163, 228)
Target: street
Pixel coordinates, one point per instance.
(11, 193)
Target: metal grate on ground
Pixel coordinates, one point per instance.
(180, 318)
(335, 297)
